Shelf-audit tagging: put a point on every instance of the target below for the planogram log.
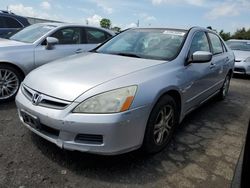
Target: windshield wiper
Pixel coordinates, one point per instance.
(128, 54)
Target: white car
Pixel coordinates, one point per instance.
(241, 49)
(41, 43)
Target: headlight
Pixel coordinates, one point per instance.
(118, 100)
(247, 60)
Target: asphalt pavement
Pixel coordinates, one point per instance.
(203, 153)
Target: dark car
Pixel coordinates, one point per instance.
(9, 23)
(242, 171)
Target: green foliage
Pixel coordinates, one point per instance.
(116, 29)
(239, 34)
(242, 34)
(225, 36)
(105, 23)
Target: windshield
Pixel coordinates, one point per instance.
(32, 33)
(159, 44)
(239, 45)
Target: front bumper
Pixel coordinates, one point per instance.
(242, 68)
(116, 133)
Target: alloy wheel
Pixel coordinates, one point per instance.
(163, 125)
(9, 83)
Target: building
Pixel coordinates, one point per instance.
(33, 20)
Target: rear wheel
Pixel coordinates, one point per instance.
(162, 121)
(224, 90)
(10, 79)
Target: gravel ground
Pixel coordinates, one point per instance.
(203, 153)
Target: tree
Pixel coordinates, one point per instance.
(105, 23)
(225, 36)
(242, 34)
(116, 29)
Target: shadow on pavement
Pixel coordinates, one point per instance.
(134, 167)
(240, 76)
(7, 105)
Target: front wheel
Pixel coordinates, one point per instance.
(224, 90)
(10, 79)
(162, 121)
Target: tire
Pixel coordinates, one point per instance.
(224, 90)
(160, 128)
(10, 80)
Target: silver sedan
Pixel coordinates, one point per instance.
(130, 92)
(241, 49)
(39, 44)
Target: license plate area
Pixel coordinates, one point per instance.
(31, 120)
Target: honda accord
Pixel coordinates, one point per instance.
(131, 92)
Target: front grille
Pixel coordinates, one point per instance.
(52, 104)
(46, 101)
(239, 70)
(27, 93)
(89, 139)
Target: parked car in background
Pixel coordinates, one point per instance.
(41, 43)
(9, 23)
(241, 49)
(130, 92)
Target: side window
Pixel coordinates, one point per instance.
(2, 25)
(11, 23)
(95, 36)
(199, 43)
(68, 36)
(216, 43)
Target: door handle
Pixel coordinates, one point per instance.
(78, 51)
(212, 65)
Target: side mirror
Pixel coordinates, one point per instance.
(51, 41)
(200, 57)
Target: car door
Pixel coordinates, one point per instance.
(219, 61)
(198, 76)
(70, 42)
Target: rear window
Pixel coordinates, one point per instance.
(239, 45)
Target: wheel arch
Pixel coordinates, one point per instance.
(14, 66)
(175, 94)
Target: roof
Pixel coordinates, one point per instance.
(75, 25)
(24, 22)
(177, 29)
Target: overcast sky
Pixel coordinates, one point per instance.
(220, 14)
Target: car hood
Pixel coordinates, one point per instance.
(10, 43)
(70, 77)
(241, 55)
